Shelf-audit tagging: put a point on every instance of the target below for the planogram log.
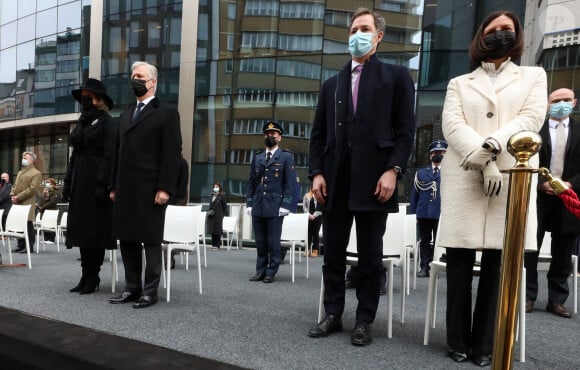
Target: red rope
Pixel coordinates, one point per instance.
(571, 202)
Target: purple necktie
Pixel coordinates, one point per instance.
(355, 88)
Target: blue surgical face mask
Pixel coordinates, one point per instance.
(25, 163)
(360, 43)
(561, 109)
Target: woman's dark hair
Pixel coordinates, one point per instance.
(478, 50)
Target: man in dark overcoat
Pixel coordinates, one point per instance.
(145, 174)
(552, 214)
(269, 198)
(360, 143)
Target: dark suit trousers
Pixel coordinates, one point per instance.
(267, 232)
(559, 271)
(133, 262)
(370, 227)
(313, 232)
(427, 234)
(31, 237)
(462, 335)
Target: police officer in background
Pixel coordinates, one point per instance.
(426, 203)
(269, 199)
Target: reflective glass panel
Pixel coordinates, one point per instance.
(46, 23)
(69, 16)
(8, 70)
(45, 4)
(26, 28)
(8, 35)
(8, 12)
(25, 7)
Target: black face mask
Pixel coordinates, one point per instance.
(499, 44)
(87, 103)
(139, 87)
(270, 141)
(437, 158)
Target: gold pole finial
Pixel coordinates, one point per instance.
(555, 183)
(522, 145)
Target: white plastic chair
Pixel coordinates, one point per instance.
(201, 233)
(438, 267)
(49, 222)
(393, 256)
(1, 228)
(230, 228)
(295, 231)
(17, 227)
(180, 232)
(412, 245)
(62, 227)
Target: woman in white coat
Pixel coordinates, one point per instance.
(482, 110)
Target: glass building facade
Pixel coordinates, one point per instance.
(254, 60)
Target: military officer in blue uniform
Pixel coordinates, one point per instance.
(269, 199)
(426, 203)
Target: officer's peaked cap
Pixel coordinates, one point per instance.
(273, 126)
(437, 145)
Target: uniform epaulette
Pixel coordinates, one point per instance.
(259, 151)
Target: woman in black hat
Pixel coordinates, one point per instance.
(86, 183)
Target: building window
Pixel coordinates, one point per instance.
(302, 10)
(262, 65)
(229, 66)
(255, 95)
(337, 19)
(241, 156)
(301, 99)
(298, 69)
(231, 38)
(261, 7)
(300, 42)
(44, 76)
(232, 7)
(335, 47)
(259, 39)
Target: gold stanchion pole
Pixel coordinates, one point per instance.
(522, 145)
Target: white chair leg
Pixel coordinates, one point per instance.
(9, 251)
(390, 302)
(321, 299)
(430, 308)
(37, 241)
(204, 253)
(163, 269)
(168, 270)
(575, 282)
(27, 243)
(415, 264)
(199, 269)
(404, 285)
(435, 302)
(307, 254)
(292, 259)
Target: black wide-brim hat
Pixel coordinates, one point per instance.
(95, 86)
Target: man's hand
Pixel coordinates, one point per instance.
(249, 211)
(112, 195)
(477, 159)
(546, 188)
(319, 188)
(161, 197)
(14, 199)
(311, 217)
(283, 212)
(386, 186)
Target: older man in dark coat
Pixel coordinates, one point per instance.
(358, 149)
(145, 173)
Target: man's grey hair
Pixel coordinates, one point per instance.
(32, 155)
(151, 71)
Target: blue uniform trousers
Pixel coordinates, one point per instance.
(267, 232)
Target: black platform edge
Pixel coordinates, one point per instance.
(34, 342)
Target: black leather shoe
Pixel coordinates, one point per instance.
(145, 301)
(423, 274)
(18, 250)
(529, 305)
(23, 251)
(257, 277)
(124, 297)
(558, 309)
(482, 361)
(348, 284)
(330, 324)
(361, 335)
(456, 356)
(268, 279)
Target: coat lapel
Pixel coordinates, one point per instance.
(506, 77)
(479, 81)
